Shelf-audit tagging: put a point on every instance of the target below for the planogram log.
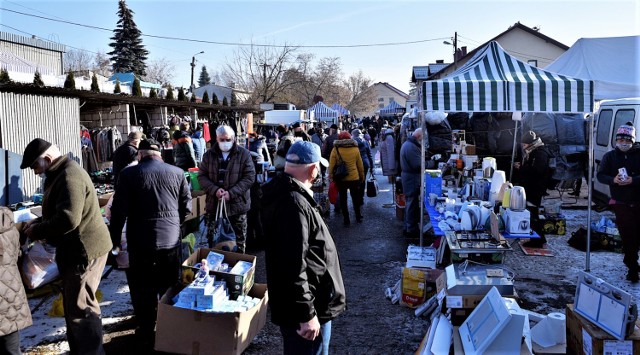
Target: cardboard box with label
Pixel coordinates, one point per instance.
(420, 284)
(236, 284)
(188, 331)
(584, 337)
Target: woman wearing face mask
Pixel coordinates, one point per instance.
(625, 193)
(227, 172)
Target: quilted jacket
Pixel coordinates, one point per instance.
(348, 149)
(14, 309)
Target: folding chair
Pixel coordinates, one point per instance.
(568, 185)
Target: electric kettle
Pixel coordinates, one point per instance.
(518, 199)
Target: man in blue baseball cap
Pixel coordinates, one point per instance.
(306, 290)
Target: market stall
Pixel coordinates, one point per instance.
(392, 109)
(322, 112)
(494, 81)
(343, 111)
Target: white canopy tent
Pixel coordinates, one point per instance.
(613, 63)
(494, 81)
(322, 112)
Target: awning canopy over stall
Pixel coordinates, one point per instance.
(322, 112)
(343, 111)
(494, 81)
(392, 108)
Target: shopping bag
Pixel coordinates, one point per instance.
(372, 187)
(223, 236)
(333, 193)
(39, 265)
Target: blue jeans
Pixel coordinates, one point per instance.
(294, 344)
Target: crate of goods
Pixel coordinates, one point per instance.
(585, 337)
(237, 270)
(554, 224)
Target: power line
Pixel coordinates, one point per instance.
(232, 43)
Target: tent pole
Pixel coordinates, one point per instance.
(421, 201)
(589, 194)
(513, 151)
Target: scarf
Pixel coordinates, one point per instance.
(537, 143)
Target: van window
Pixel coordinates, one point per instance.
(622, 117)
(604, 125)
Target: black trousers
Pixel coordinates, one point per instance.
(10, 344)
(150, 275)
(354, 189)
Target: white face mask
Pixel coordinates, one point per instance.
(623, 146)
(225, 146)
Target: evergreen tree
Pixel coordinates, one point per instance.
(205, 98)
(70, 82)
(234, 99)
(153, 94)
(204, 79)
(116, 89)
(4, 77)
(181, 95)
(193, 97)
(136, 90)
(94, 83)
(170, 93)
(225, 102)
(37, 80)
(128, 54)
(214, 99)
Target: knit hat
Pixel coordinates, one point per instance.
(528, 137)
(33, 151)
(626, 131)
(344, 135)
(149, 144)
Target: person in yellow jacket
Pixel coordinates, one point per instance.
(346, 149)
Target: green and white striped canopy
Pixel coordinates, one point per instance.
(494, 81)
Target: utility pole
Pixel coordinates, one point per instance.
(264, 81)
(193, 66)
(455, 51)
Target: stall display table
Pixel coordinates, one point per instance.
(482, 245)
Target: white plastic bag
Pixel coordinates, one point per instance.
(39, 265)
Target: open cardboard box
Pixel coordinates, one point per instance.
(187, 331)
(236, 284)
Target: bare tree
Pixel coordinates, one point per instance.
(102, 64)
(262, 71)
(160, 71)
(362, 95)
(77, 60)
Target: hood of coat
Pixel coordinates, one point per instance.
(345, 143)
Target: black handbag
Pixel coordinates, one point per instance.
(372, 187)
(340, 171)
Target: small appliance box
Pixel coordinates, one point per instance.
(419, 284)
(433, 182)
(236, 284)
(188, 331)
(584, 337)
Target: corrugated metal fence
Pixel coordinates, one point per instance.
(24, 117)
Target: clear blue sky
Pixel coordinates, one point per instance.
(320, 23)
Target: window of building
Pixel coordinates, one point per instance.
(391, 99)
(380, 99)
(381, 106)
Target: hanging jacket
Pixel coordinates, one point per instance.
(14, 308)
(199, 145)
(348, 149)
(183, 153)
(303, 268)
(388, 153)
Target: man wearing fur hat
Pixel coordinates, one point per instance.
(534, 168)
(620, 169)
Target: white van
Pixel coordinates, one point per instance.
(611, 115)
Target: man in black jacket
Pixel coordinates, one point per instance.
(303, 271)
(625, 193)
(154, 198)
(125, 154)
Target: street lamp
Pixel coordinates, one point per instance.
(193, 65)
(455, 50)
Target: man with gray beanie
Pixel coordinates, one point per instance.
(71, 221)
(620, 169)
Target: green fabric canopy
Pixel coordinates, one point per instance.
(494, 81)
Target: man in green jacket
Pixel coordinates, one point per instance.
(71, 221)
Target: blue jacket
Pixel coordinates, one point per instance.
(199, 145)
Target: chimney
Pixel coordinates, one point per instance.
(464, 50)
(439, 61)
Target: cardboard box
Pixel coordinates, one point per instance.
(462, 305)
(104, 198)
(419, 284)
(236, 284)
(584, 337)
(187, 331)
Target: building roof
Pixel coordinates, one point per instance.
(32, 41)
(130, 77)
(517, 25)
(420, 73)
(393, 88)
